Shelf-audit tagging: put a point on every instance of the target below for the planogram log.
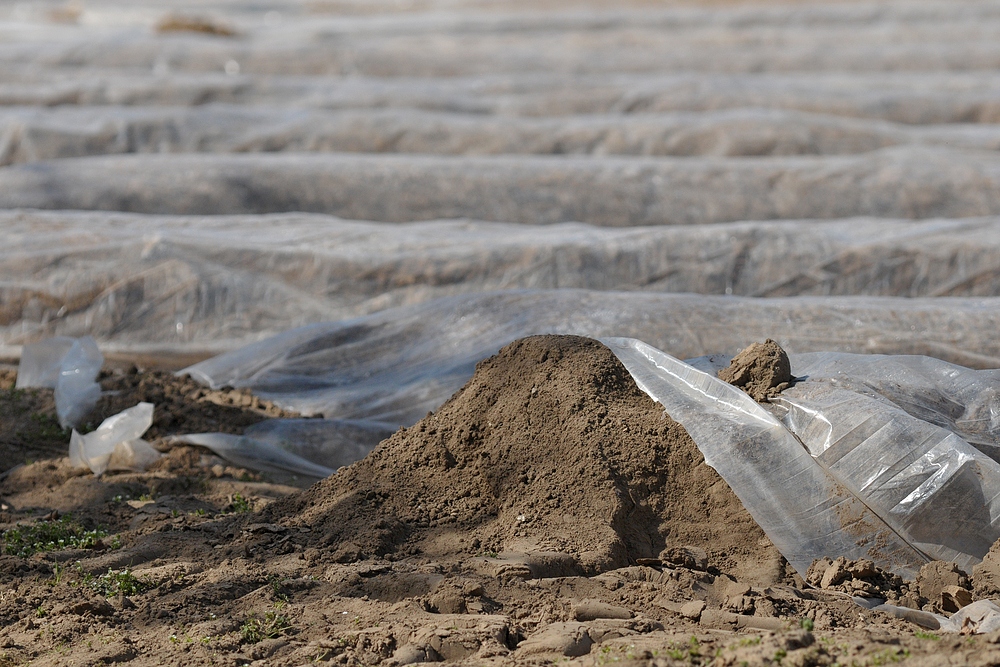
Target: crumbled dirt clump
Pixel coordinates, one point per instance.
(550, 447)
(940, 587)
(762, 370)
(855, 577)
(986, 575)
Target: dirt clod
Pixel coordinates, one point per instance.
(762, 370)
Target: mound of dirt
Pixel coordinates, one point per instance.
(762, 370)
(549, 448)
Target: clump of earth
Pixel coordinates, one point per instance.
(762, 370)
(548, 512)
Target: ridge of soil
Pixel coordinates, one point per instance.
(549, 447)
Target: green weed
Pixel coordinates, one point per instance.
(240, 505)
(114, 582)
(63, 533)
(256, 629)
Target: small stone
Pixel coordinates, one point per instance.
(408, 654)
(693, 609)
(568, 639)
(814, 576)
(693, 558)
(954, 598)
(591, 610)
(862, 568)
(92, 608)
(834, 574)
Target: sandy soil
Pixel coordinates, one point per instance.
(548, 512)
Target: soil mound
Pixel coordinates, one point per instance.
(762, 370)
(550, 447)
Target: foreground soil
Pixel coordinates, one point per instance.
(549, 512)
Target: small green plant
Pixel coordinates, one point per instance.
(920, 634)
(256, 629)
(123, 581)
(40, 612)
(690, 653)
(240, 505)
(63, 533)
(888, 656)
(807, 624)
(278, 589)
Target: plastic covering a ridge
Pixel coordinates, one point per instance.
(205, 285)
(615, 191)
(803, 508)
(936, 491)
(30, 134)
(929, 487)
(901, 97)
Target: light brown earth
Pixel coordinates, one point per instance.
(548, 512)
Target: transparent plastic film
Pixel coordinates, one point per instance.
(253, 454)
(962, 400)
(801, 507)
(936, 490)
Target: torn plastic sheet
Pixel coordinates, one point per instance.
(329, 442)
(116, 444)
(68, 365)
(253, 454)
(801, 507)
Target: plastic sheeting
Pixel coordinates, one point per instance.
(903, 182)
(31, 134)
(799, 504)
(852, 475)
(567, 40)
(955, 97)
(933, 488)
(116, 444)
(206, 285)
(395, 365)
(254, 454)
(329, 442)
(70, 367)
(964, 401)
